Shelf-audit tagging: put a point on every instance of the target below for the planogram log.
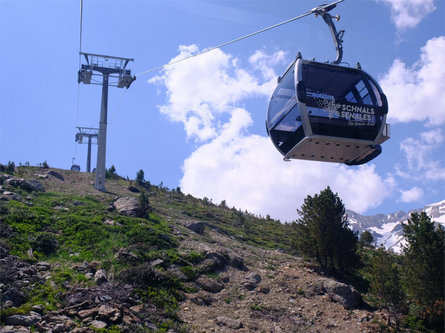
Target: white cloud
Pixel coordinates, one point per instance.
(416, 93)
(412, 195)
(421, 157)
(207, 86)
(408, 13)
(247, 172)
(244, 169)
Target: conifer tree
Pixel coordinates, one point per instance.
(423, 268)
(366, 239)
(111, 172)
(140, 178)
(384, 279)
(323, 233)
(145, 204)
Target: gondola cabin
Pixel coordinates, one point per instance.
(326, 112)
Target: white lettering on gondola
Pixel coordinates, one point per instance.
(355, 114)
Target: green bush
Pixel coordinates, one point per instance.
(45, 242)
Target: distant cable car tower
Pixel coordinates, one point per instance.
(114, 73)
(91, 134)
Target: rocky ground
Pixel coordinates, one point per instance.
(241, 287)
(271, 292)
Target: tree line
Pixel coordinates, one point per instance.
(409, 287)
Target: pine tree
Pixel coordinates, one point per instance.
(366, 239)
(111, 172)
(423, 268)
(140, 180)
(323, 233)
(145, 204)
(383, 276)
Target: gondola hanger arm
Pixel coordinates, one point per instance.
(323, 10)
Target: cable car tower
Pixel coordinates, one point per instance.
(114, 73)
(91, 134)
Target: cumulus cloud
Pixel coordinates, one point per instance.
(232, 164)
(247, 172)
(208, 86)
(420, 155)
(412, 195)
(409, 13)
(416, 93)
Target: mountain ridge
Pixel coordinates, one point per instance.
(387, 228)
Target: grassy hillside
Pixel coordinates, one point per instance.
(70, 224)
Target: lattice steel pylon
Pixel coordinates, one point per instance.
(114, 73)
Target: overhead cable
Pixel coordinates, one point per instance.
(240, 38)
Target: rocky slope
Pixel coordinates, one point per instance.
(77, 260)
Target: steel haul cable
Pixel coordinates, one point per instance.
(237, 39)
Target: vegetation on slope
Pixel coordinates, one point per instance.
(71, 224)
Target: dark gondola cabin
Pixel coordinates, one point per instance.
(326, 112)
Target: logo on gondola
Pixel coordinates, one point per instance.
(365, 115)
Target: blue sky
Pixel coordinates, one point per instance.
(199, 124)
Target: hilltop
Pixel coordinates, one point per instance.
(144, 258)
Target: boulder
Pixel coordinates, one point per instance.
(133, 189)
(100, 276)
(237, 262)
(128, 206)
(110, 222)
(209, 284)
(7, 195)
(197, 227)
(341, 293)
(38, 308)
(124, 255)
(32, 185)
(56, 174)
(14, 182)
(59, 328)
(229, 322)
(13, 294)
(90, 313)
(213, 262)
(202, 298)
(14, 329)
(43, 266)
(108, 313)
(157, 262)
(3, 177)
(23, 320)
(252, 281)
(98, 324)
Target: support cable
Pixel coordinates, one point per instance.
(78, 85)
(241, 38)
(81, 18)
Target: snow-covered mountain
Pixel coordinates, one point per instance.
(387, 229)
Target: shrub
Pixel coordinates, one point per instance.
(45, 242)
